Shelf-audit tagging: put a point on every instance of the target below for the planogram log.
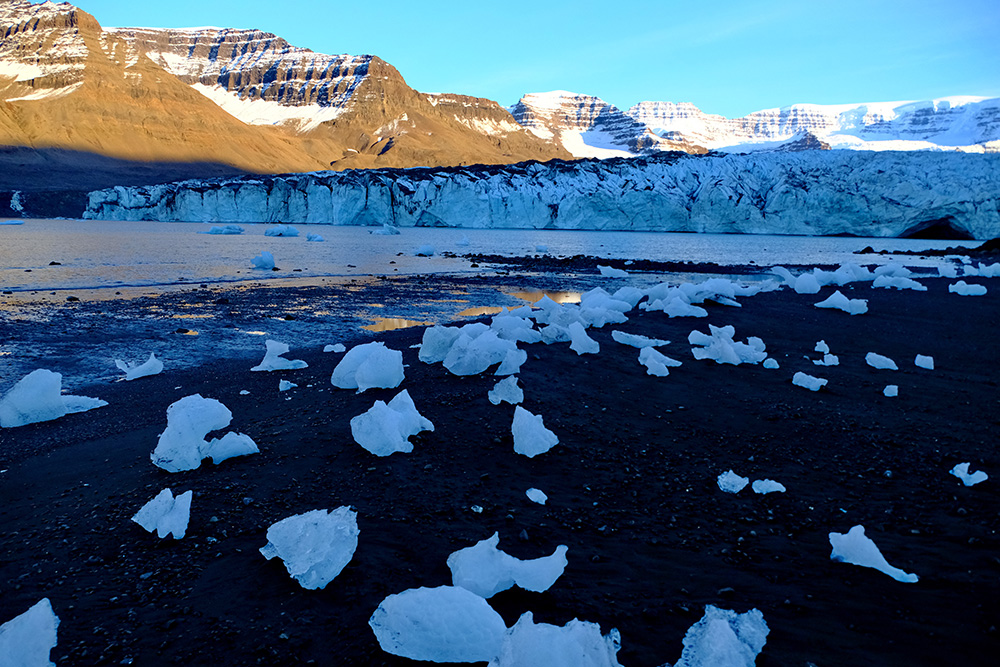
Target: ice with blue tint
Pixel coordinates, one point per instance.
(367, 366)
(281, 230)
(27, 640)
(809, 382)
(315, 546)
(924, 361)
(880, 362)
(764, 486)
(964, 289)
(612, 272)
(636, 340)
(838, 301)
(506, 390)
(263, 261)
(38, 397)
(151, 366)
(486, 571)
(165, 514)
(386, 428)
(576, 644)
(182, 445)
(730, 482)
(536, 496)
(580, 342)
(531, 438)
(855, 548)
(273, 361)
(962, 472)
(724, 638)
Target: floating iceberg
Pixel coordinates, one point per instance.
(315, 238)
(182, 444)
(385, 429)
(576, 644)
(580, 342)
(879, 362)
(767, 486)
(425, 250)
(385, 230)
(315, 546)
(635, 340)
(531, 438)
(151, 366)
(506, 390)
(367, 366)
(924, 361)
(720, 347)
(536, 496)
(854, 548)
(38, 397)
(962, 472)
(485, 570)
(612, 272)
(840, 302)
(27, 640)
(285, 385)
(443, 624)
(723, 638)
(165, 514)
(281, 230)
(264, 260)
(224, 230)
(809, 382)
(656, 363)
(963, 289)
(273, 361)
(730, 482)
(891, 391)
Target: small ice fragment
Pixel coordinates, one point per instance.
(730, 482)
(891, 390)
(225, 230)
(462, 242)
(822, 347)
(244, 392)
(767, 486)
(538, 496)
(315, 238)
(541, 247)
(576, 644)
(882, 363)
(26, 640)
(809, 382)
(285, 385)
(770, 363)
(897, 282)
(182, 444)
(827, 360)
(635, 340)
(963, 289)
(655, 362)
(723, 638)
(506, 390)
(38, 397)
(580, 342)
(385, 429)
(443, 624)
(486, 571)
(281, 230)
(336, 347)
(924, 361)
(264, 260)
(367, 366)
(854, 548)
(315, 546)
(530, 435)
(478, 509)
(840, 302)
(273, 361)
(806, 284)
(166, 514)
(385, 230)
(612, 272)
(151, 366)
(426, 250)
(962, 472)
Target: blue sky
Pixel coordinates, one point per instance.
(728, 57)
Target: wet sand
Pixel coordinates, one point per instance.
(631, 489)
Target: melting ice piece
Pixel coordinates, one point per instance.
(368, 366)
(264, 260)
(26, 640)
(770, 363)
(443, 624)
(854, 548)
(962, 472)
(891, 391)
(576, 644)
(580, 342)
(806, 284)
(385, 230)
(656, 363)
(281, 230)
(273, 361)
(882, 363)
(827, 360)
(38, 397)
(437, 341)
(485, 570)
(512, 362)
(315, 546)
(947, 271)
(514, 327)
(724, 638)
(963, 289)
(315, 238)
(506, 390)
(767, 486)
(426, 250)
(612, 272)
(225, 229)
(809, 382)
(152, 366)
(541, 247)
(336, 347)
(923, 361)
(463, 242)
(385, 429)
(635, 340)
(530, 435)
(285, 385)
(822, 347)
(475, 349)
(720, 347)
(182, 444)
(897, 282)
(840, 302)
(165, 514)
(730, 482)
(538, 496)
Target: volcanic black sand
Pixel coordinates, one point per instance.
(631, 489)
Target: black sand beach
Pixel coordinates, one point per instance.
(631, 489)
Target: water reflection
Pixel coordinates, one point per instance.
(390, 323)
(480, 311)
(559, 297)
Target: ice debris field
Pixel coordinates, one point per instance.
(454, 622)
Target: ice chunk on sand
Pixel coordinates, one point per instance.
(767, 486)
(806, 284)
(963, 289)
(541, 247)
(368, 366)
(723, 638)
(463, 242)
(285, 385)
(576, 644)
(273, 361)
(315, 238)
(827, 360)
(612, 272)
(224, 230)
(656, 363)
(720, 347)
(898, 282)
(635, 340)
(281, 230)
(182, 444)
(437, 341)
(151, 366)
(530, 435)
(730, 482)
(840, 302)
(475, 350)
(536, 496)
(264, 260)
(485, 570)
(822, 347)
(336, 347)
(443, 624)
(809, 382)
(512, 362)
(385, 429)
(37, 397)
(506, 390)
(854, 548)
(26, 640)
(514, 327)
(770, 363)
(165, 514)
(924, 361)
(426, 250)
(315, 546)
(580, 342)
(962, 472)
(947, 271)
(891, 391)
(881, 363)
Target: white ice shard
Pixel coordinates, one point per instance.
(730, 482)
(38, 397)
(854, 548)
(224, 230)
(880, 362)
(531, 438)
(898, 282)
(806, 284)
(385, 428)
(924, 361)
(264, 260)
(723, 638)
(964, 289)
(809, 382)
(514, 327)
(336, 347)
(443, 624)
(827, 360)
(635, 340)
(367, 366)
(891, 391)
(385, 230)
(273, 361)
(512, 362)
(656, 363)
(822, 347)
(315, 546)
(281, 230)
(767, 486)
(770, 363)
(536, 496)
(285, 385)
(426, 250)
(722, 349)
(165, 514)
(962, 472)
(27, 640)
(576, 644)
(840, 302)
(476, 349)
(485, 570)
(182, 444)
(506, 390)
(947, 271)
(612, 272)
(315, 238)
(151, 366)
(580, 342)
(437, 341)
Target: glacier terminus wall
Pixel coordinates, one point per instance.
(807, 193)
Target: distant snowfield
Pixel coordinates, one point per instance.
(263, 112)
